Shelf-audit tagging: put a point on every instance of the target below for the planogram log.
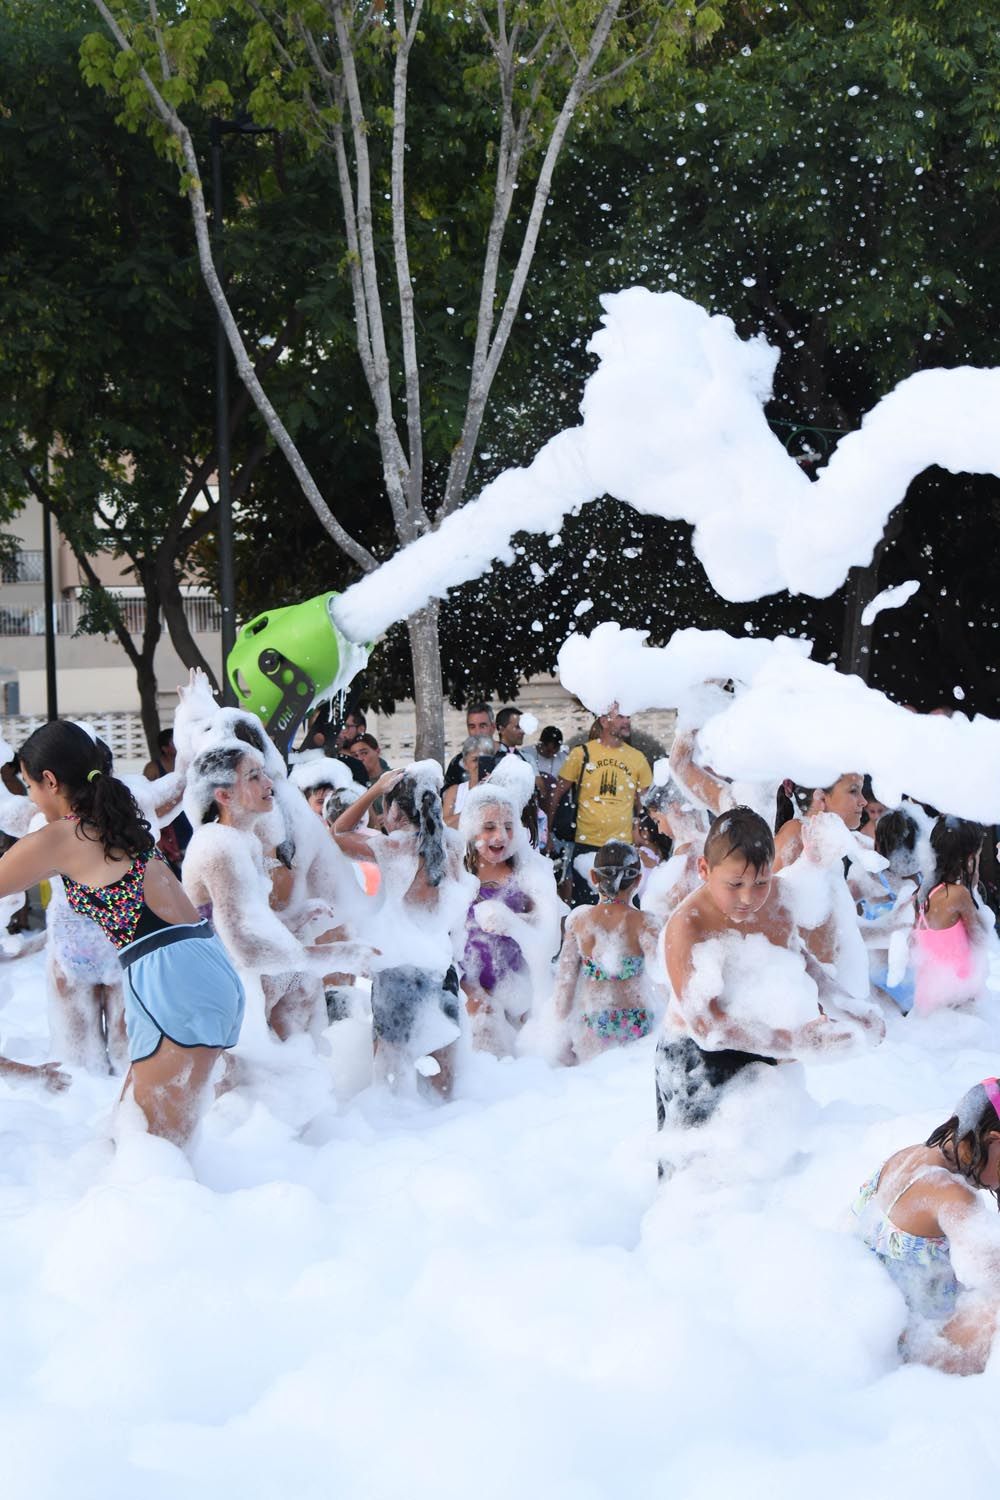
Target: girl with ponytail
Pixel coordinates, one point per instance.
(425, 893)
(923, 1216)
(604, 995)
(183, 1000)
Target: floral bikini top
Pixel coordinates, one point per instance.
(919, 1264)
(118, 909)
(631, 968)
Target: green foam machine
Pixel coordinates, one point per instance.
(287, 660)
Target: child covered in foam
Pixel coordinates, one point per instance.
(604, 993)
(923, 1216)
(313, 888)
(229, 801)
(886, 901)
(82, 971)
(676, 817)
(747, 990)
(512, 925)
(426, 893)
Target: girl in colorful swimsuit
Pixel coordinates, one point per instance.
(922, 1215)
(951, 932)
(495, 978)
(512, 924)
(603, 993)
(183, 1000)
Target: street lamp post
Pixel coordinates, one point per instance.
(242, 125)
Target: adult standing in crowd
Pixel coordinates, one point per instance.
(509, 732)
(548, 755)
(479, 724)
(609, 777)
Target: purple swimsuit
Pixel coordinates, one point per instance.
(491, 956)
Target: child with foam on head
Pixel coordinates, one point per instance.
(922, 1215)
(676, 817)
(952, 927)
(747, 990)
(604, 995)
(512, 926)
(426, 892)
(885, 901)
(229, 870)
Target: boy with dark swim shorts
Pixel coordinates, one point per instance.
(710, 1038)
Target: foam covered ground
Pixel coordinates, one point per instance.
(375, 1299)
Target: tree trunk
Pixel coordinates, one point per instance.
(148, 702)
(176, 621)
(428, 690)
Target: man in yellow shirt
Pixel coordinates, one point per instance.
(609, 776)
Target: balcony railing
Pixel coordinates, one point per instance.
(23, 567)
(203, 616)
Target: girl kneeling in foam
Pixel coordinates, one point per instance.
(604, 994)
(922, 1214)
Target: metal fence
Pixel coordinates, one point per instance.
(23, 567)
(203, 615)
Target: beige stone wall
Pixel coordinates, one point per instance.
(544, 697)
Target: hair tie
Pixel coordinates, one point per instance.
(92, 775)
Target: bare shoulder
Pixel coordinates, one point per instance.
(957, 899)
(687, 923)
(952, 1192)
(775, 916)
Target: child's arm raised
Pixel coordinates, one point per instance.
(708, 789)
(357, 842)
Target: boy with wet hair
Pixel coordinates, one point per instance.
(712, 1033)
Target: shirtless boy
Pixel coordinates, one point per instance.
(706, 1043)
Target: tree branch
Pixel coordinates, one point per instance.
(484, 373)
(244, 364)
(411, 369)
(394, 464)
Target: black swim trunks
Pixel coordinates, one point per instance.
(689, 1081)
(399, 995)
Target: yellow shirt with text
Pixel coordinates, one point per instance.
(607, 781)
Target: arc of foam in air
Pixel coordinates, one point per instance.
(673, 425)
(791, 716)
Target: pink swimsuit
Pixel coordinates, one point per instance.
(943, 962)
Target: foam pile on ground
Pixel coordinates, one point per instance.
(673, 424)
(373, 1298)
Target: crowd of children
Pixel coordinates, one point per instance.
(746, 946)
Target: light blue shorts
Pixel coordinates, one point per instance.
(180, 984)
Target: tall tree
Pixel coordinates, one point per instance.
(107, 335)
(515, 77)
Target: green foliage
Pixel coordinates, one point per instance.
(833, 184)
(100, 612)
